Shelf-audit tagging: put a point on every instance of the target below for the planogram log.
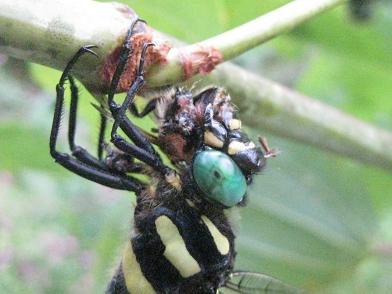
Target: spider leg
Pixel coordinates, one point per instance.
(77, 151)
(117, 162)
(147, 109)
(84, 168)
(142, 149)
(123, 57)
(101, 137)
(120, 111)
(126, 125)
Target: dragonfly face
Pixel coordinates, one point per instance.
(201, 135)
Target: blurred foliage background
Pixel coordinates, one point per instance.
(315, 220)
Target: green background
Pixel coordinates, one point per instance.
(315, 220)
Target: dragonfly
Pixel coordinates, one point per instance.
(182, 240)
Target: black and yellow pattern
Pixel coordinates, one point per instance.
(177, 248)
(182, 242)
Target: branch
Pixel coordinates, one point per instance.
(184, 62)
(49, 32)
(267, 105)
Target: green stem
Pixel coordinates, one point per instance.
(49, 32)
(267, 105)
(232, 43)
(247, 36)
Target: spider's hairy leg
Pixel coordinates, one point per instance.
(77, 151)
(123, 58)
(132, 91)
(117, 162)
(147, 109)
(154, 97)
(126, 125)
(86, 166)
(142, 149)
(101, 136)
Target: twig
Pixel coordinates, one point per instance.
(49, 32)
(236, 41)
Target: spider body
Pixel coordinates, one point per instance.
(182, 241)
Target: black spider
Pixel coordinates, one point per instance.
(182, 241)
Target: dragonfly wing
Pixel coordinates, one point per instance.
(255, 283)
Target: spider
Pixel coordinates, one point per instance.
(182, 241)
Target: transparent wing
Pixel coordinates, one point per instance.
(256, 283)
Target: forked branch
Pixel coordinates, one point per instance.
(49, 32)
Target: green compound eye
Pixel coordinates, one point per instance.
(217, 175)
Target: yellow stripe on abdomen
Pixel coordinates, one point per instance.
(175, 249)
(134, 279)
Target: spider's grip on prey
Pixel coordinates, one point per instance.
(81, 162)
(183, 241)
